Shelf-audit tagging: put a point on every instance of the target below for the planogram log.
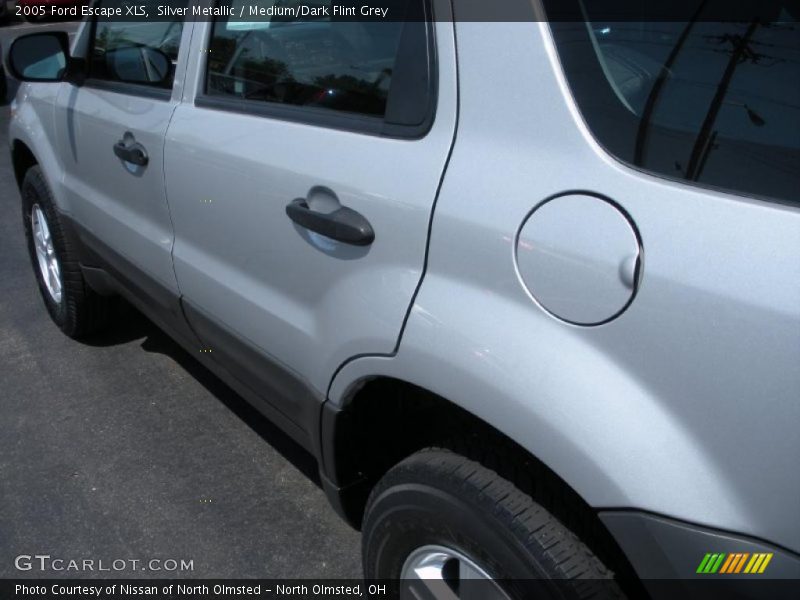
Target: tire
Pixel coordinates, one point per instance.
(436, 499)
(77, 310)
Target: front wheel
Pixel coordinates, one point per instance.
(73, 305)
(448, 527)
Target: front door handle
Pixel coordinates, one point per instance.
(131, 151)
(343, 224)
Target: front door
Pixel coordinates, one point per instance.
(111, 137)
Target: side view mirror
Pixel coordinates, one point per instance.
(39, 56)
(139, 64)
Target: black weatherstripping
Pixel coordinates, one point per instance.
(411, 104)
(343, 225)
(128, 89)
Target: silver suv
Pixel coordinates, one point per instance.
(529, 291)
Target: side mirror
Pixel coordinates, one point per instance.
(39, 56)
(139, 64)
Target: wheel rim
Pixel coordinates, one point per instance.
(436, 573)
(49, 267)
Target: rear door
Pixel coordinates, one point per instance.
(349, 125)
(111, 136)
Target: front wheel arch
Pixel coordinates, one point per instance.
(22, 159)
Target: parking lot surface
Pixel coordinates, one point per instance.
(123, 448)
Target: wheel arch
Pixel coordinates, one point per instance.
(379, 420)
(22, 159)
(559, 393)
(33, 139)
(26, 153)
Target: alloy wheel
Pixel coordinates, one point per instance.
(49, 266)
(440, 573)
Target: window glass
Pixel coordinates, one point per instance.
(312, 61)
(716, 103)
(139, 52)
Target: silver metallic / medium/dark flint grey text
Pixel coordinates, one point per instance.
(305, 10)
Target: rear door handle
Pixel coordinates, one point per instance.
(131, 151)
(343, 224)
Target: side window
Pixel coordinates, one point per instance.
(709, 102)
(137, 52)
(319, 61)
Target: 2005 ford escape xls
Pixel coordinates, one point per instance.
(528, 290)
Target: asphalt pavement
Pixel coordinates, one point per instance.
(122, 448)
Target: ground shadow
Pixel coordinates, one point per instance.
(131, 325)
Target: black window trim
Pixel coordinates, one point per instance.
(121, 87)
(327, 118)
(129, 89)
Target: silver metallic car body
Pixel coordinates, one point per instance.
(685, 405)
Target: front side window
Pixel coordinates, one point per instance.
(715, 103)
(316, 61)
(138, 52)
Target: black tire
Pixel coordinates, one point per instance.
(437, 497)
(80, 311)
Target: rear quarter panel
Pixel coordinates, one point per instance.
(686, 405)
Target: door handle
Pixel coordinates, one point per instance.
(343, 224)
(131, 151)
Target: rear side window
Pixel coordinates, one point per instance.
(713, 103)
(135, 52)
(322, 62)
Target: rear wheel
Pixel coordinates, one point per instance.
(451, 528)
(72, 304)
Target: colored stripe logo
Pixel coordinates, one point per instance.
(734, 563)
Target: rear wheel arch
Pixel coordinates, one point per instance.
(384, 420)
